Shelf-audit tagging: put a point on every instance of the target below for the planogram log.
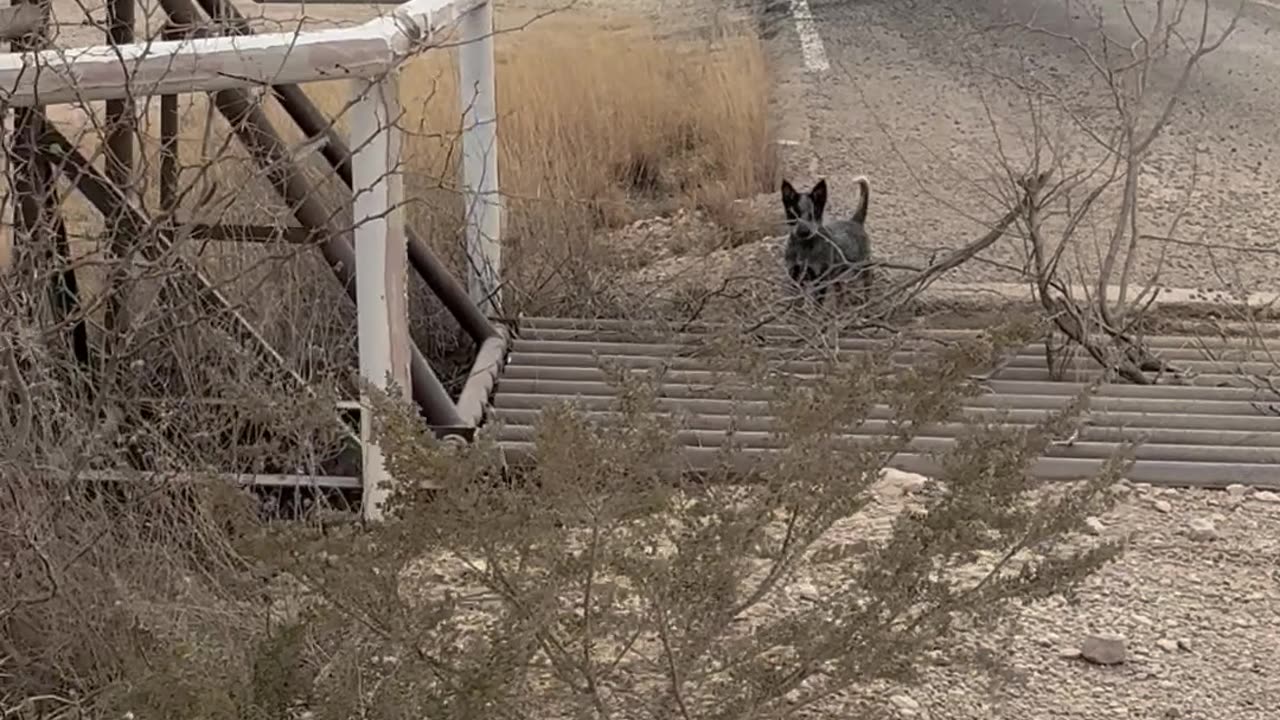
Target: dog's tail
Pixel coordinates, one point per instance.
(861, 215)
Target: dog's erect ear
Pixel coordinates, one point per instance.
(819, 195)
(789, 195)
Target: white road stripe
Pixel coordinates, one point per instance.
(815, 54)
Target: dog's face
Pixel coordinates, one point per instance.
(804, 210)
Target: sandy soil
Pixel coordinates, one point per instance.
(1195, 599)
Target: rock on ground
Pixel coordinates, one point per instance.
(1200, 623)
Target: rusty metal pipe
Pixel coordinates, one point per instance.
(314, 124)
(251, 125)
(746, 463)
(37, 210)
(169, 144)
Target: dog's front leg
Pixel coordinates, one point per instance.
(797, 271)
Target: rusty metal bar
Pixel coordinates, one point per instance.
(110, 203)
(719, 406)
(251, 125)
(314, 124)
(1137, 421)
(512, 374)
(1031, 356)
(294, 235)
(118, 160)
(680, 388)
(932, 443)
(169, 142)
(1165, 473)
(1169, 348)
(1102, 427)
(1229, 374)
(37, 209)
(538, 327)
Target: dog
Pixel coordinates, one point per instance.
(818, 254)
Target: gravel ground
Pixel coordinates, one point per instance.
(1195, 598)
(903, 105)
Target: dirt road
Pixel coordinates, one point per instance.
(895, 90)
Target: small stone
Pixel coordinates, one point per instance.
(1162, 506)
(1167, 645)
(805, 591)
(1266, 496)
(1236, 490)
(1105, 649)
(1143, 619)
(1094, 526)
(905, 703)
(937, 657)
(908, 483)
(1202, 530)
(1070, 653)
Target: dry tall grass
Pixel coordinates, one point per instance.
(601, 121)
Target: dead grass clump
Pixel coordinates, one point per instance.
(601, 122)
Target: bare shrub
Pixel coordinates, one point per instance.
(1089, 235)
(603, 582)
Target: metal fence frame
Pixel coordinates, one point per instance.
(127, 74)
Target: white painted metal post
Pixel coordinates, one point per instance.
(382, 297)
(480, 157)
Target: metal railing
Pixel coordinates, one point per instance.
(371, 54)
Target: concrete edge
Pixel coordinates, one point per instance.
(1192, 303)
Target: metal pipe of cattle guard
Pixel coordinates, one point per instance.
(254, 129)
(314, 124)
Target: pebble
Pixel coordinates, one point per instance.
(1236, 490)
(805, 590)
(1094, 526)
(1167, 645)
(1105, 649)
(906, 704)
(1202, 530)
(909, 483)
(1266, 496)
(1162, 506)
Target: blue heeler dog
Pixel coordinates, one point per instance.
(819, 254)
